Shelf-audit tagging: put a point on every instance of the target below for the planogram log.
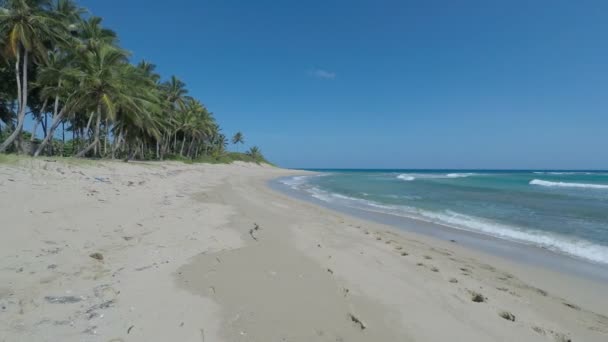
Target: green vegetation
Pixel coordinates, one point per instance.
(238, 138)
(62, 69)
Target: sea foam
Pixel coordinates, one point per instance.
(459, 175)
(406, 177)
(574, 246)
(567, 184)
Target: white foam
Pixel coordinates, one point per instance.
(555, 242)
(406, 177)
(567, 185)
(559, 243)
(459, 175)
(563, 173)
(413, 176)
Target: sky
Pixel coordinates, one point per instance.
(388, 84)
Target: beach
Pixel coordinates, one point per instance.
(158, 251)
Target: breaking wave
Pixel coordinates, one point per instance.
(568, 185)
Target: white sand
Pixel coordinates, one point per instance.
(179, 264)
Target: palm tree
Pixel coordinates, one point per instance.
(102, 87)
(27, 26)
(92, 35)
(175, 91)
(255, 153)
(72, 68)
(238, 138)
(137, 120)
(57, 79)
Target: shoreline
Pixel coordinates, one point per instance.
(168, 251)
(517, 251)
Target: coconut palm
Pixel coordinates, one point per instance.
(255, 153)
(176, 91)
(27, 26)
(92, 35)
(57, 79)
(238, 138)
(55, 61)
(102, 87)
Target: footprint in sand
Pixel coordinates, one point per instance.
(477, 297)
(507, 315)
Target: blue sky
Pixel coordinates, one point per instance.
(411, 84)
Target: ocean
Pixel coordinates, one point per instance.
(562, 211)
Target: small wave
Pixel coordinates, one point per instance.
(557, 243)
(558, 173)
(568, 185)
(294, 181)
(406, 177)
(413, 176)
(333, 197)
(459, 175)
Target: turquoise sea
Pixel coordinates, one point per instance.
(563, 211)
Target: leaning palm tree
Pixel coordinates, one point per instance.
(59, 82)
(238, 138)
(27, 26)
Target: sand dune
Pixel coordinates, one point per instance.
(107, 251)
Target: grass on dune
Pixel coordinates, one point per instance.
(227, 158)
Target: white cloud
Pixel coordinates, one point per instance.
(323, 74)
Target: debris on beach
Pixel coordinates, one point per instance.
(92, 311)
(103, 180)
(357, 321)
(572, 306)
(255, 228)
(477, 297)
(97, 256)
(507, 315)
(62, 299)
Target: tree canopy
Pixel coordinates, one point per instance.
(67, 73)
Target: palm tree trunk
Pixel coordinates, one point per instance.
(62, 137)
(22, 93)
(86, 130)
(38, 121)
(95, 142)
(45, 125)
(190, 147)
(34, 129)
(56, 120)
(105, 138)
(181, 151)
(116, 144)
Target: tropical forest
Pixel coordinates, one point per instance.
(69, 89)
